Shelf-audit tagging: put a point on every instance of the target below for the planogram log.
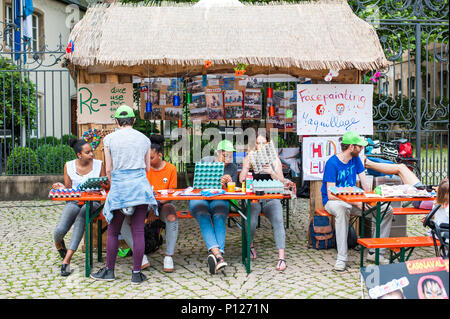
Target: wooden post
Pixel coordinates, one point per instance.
(84, 78)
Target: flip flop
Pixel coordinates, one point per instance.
(280, 262)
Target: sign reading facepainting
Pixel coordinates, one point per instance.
(315, 153)
(98, 102)
(334, 109)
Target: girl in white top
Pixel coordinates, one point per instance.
(441, 216)
(76, 172)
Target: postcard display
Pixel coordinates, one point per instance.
(216, 98)
(285, 104)
(162, 93)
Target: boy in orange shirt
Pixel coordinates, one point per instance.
(162, 175)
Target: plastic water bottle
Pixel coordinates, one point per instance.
(249, 183)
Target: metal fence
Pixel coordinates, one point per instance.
(411, 97)
(412, 94)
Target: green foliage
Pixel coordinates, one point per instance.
(19, 102)
(52, 158)
(22, 160)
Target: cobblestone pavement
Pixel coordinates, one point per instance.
(30, 265)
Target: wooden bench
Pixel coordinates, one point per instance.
(409, 211)
(396, 211)
(398, 246)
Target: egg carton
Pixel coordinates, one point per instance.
(207, 175)
(264, 156)
(65, 192)
(268, 186)
(93, 184)
(349, 190)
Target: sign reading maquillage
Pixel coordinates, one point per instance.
(334, 109)
(97, 103)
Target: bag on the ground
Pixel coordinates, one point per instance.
(423, 204)
(321, 232)
(352, 238)
(153, 235)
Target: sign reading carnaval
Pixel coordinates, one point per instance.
(334, 109)
(97, 103)
(414, 279)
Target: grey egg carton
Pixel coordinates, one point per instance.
(268, 186)
(207, 175)
(266, 155)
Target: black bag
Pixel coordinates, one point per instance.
(153, 235)
(352, 238)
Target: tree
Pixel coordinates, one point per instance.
(18, 94)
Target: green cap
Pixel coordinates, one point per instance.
(353, 138)
(225, 145)
(124, 108)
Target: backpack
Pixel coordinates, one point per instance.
(152, 235)
(321, 232)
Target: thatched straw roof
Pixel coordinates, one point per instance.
(175, 39)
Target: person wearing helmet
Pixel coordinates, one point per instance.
(211, 215)
(127, 159)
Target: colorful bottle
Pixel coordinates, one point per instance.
(249, 183)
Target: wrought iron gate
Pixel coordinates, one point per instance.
(411, 98)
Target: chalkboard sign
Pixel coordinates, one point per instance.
(97, 103)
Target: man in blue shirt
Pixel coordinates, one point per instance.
(341, 171)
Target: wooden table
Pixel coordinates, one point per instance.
(379, 216)
(245, 206)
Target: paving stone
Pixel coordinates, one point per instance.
(29, 263)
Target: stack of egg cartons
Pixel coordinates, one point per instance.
(265, 155)
(65, 192)
(93, 184)
(268, 186)
(207, 175)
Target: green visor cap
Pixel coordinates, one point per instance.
(226, 145)
(124, 108)
(353, 138)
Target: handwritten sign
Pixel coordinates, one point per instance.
(316, 152)
(414, 279)
(333, 109)
(98, 102)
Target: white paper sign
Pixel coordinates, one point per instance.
(316, 152)
(333, 109)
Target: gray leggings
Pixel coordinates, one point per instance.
(72, 214)
(273, 210)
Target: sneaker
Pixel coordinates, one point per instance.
(340, 265)
(168, 264)
(382, 260)
(138, 277)
(212, 262)
(220, 263)
(104, 274)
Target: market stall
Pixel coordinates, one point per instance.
(323, 41)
